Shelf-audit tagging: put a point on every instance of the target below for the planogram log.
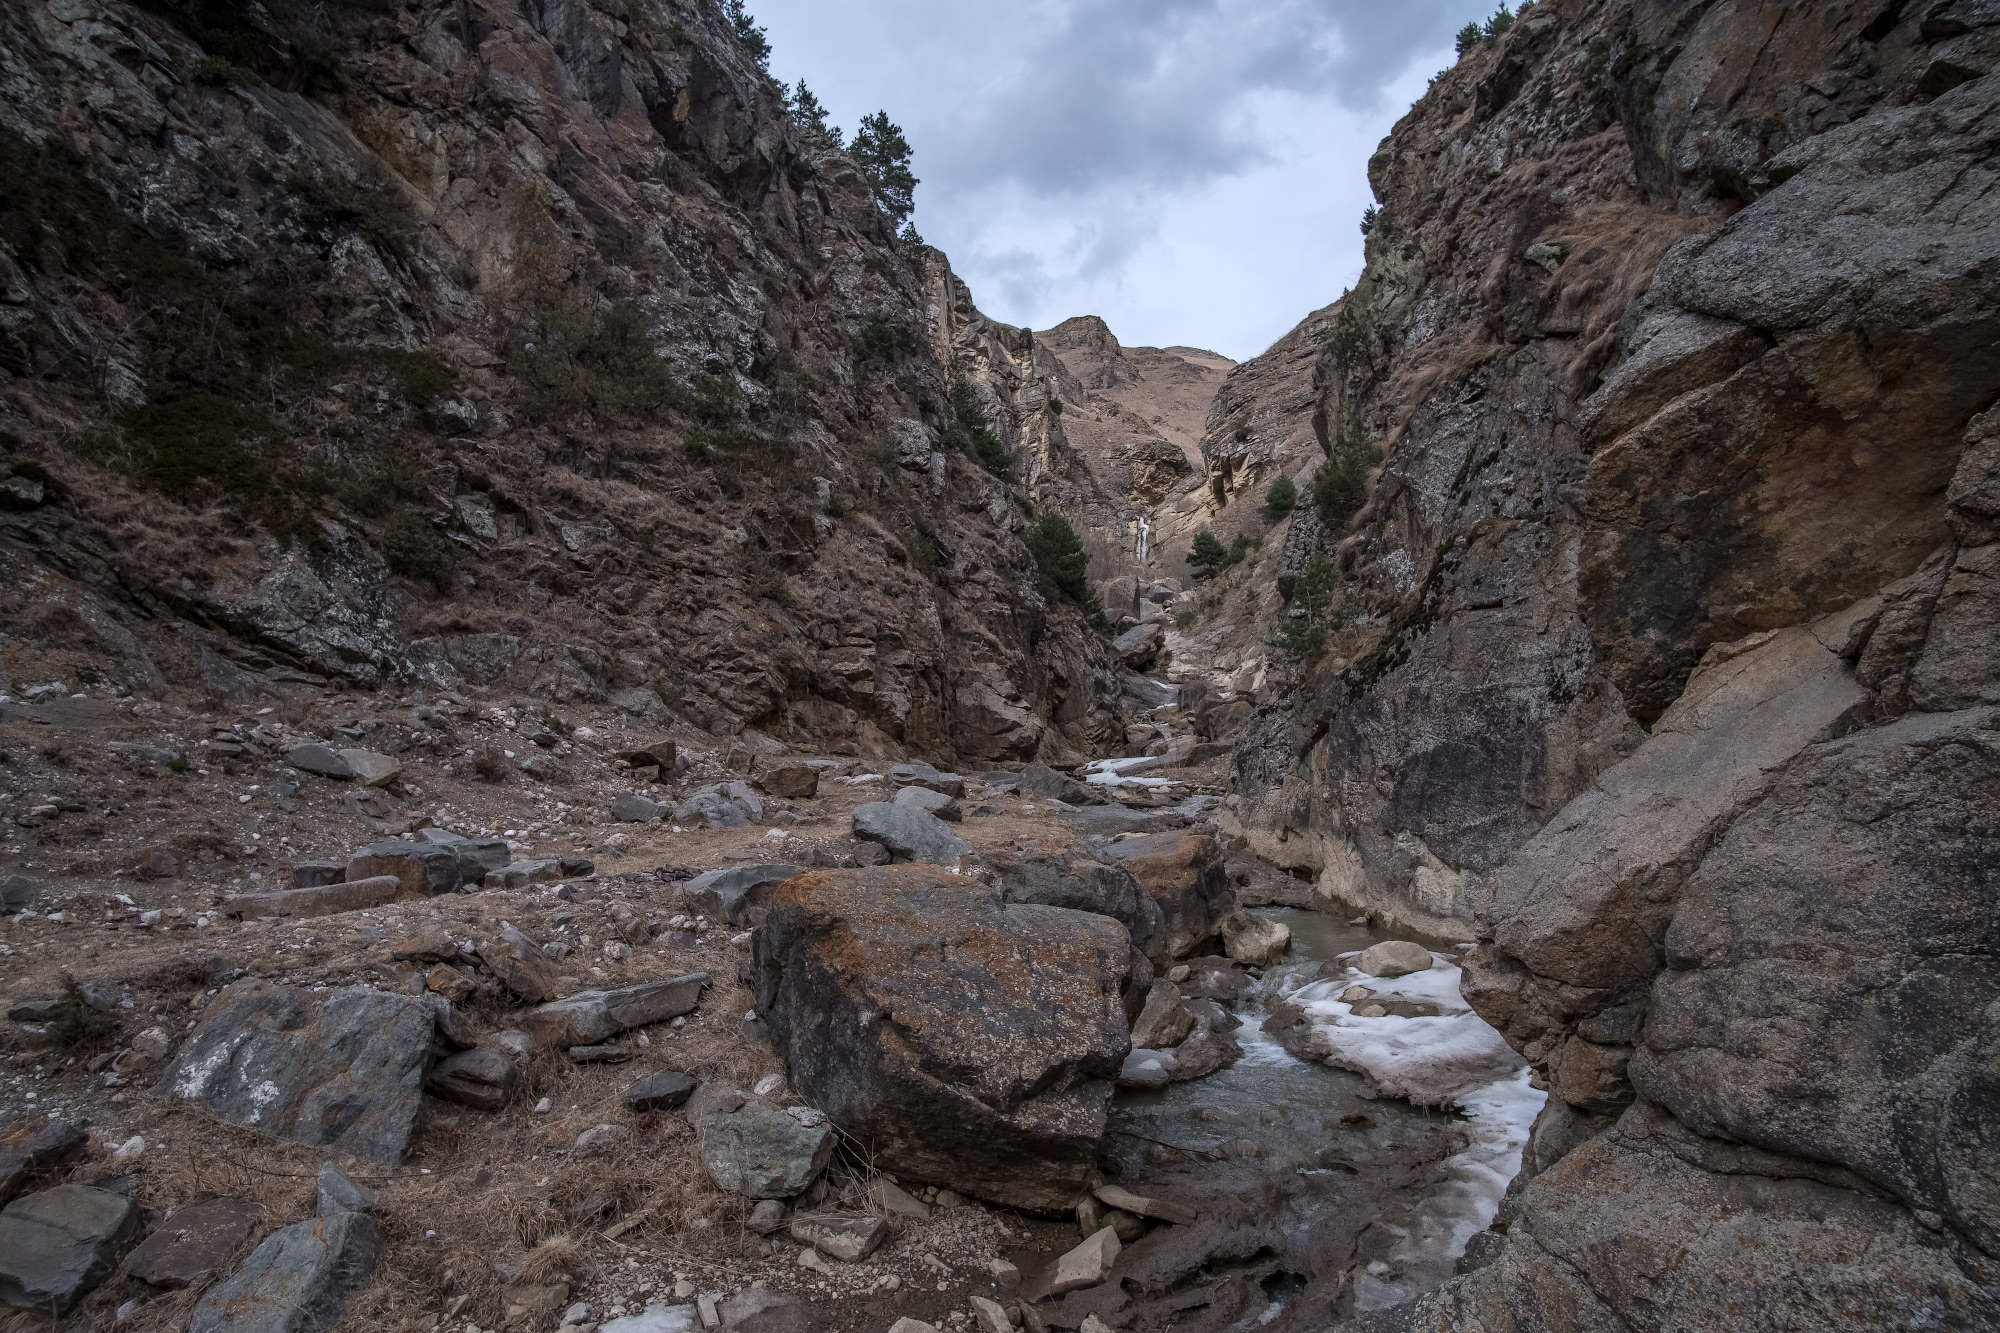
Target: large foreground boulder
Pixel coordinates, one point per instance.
(343, 1070)
(961, 1039)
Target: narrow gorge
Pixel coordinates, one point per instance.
(589, 747)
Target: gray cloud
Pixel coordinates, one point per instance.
(1068, 147)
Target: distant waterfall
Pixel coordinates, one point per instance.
(1145, 531)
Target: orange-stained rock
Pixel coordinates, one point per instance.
(963, 1039)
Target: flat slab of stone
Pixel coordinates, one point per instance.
(752, 1148)
(850, 1238)
(1119, 1197)
(591, 1017)
(193, 1243)
(656, 1319)
(737, 894)
(324, 900)
(57, 1245)
(666, 1091)
(320, 759)
(1394, 958)
(479, 1078)
(341, 1069)
(372, 769)
(295, 1281)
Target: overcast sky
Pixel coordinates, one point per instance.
(1191, 170)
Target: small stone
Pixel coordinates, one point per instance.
(991, 1316)
(792, 782)
(666, 1091)
(520, 965)
(1255, 940)
(909, 1325)
(601, 1138)
(451, 983)
(888, 1196)
(768, 1216)
(1394, 958)
(848, 1239)
(930, 802)
(1087, 1264)
(609, 1054)
(760, 1310)
(339, 1194)
(656, 1319)
(704, 1306)
(1140, 1205)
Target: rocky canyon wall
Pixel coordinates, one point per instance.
(1668, 672)
(480, 347)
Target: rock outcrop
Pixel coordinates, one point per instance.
(536, 364)
(1666, 397)
(961, 1039)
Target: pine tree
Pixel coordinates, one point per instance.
(812, 117)
(883, 155)
(1060, 557)
(748, 34)
(1280, 499)
(1209, 556)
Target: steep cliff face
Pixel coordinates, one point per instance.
(479, 346)
(1669, 671)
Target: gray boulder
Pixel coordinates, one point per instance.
(372, 769)
(425, 868)
(738, 894)
(1139, 646)
(909, 834)
(981, 1080)
(57, 1245)
(1055, 875)
(339, 1194)
(632, 808)
(930, 802)
(342, 1069)
(17, 894)
(761, 1310)
(478, 1078)
(665, 1091)
(1045, 782)
(591, 1017)
(525, 874)
(320, 759)
(924, 775)
(709, 809)
(1393, 958)
(476, 856)
(296, 1281)
(753, 1148)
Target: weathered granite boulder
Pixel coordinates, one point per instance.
(25, 1151)
(792, 782)
(1044, 781)
(753, 1148)
(930, 802)
(343, 1069)
(297, 1279)
(923, 775)
(479, 1078)
(963, 1039)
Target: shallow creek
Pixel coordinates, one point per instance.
(1319, 1196)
